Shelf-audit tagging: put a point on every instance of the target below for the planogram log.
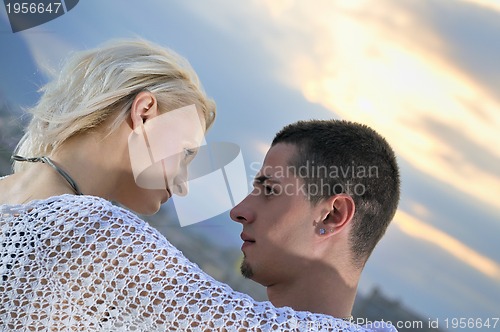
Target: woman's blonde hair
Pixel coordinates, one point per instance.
(96, 84)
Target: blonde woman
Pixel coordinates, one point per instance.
(70, 260)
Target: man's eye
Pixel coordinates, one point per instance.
(268, 190)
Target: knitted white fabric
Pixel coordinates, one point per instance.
(79, 263)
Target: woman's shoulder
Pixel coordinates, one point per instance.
(73, 219)
(90, 208)
(73, 208)
(84, 204)
(61, 203)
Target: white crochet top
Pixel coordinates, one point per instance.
(79, 263)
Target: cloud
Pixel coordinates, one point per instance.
(489, 4)
(48, 59)
(416, 228)
(382, 66)
(388, 67)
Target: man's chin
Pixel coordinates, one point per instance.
(246, 269)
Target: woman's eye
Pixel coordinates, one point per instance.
(189, 152)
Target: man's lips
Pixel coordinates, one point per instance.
(247, 240)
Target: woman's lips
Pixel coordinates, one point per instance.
(167, 197)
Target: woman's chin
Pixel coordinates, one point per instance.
(147, 210)
(146, 202)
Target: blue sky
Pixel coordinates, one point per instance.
(424, 74)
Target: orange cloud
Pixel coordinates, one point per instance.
(380, 65)
(489, 4)
(423, 231)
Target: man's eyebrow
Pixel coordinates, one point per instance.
(263, 178)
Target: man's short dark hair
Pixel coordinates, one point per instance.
(337, 156)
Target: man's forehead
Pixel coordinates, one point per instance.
(280, 155)
(277, 163)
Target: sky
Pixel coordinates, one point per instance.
(423, 73)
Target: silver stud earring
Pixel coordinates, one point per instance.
(322, 231)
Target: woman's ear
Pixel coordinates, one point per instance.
(338, 212)
(144, 107)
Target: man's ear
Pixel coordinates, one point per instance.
(337, 213)
(144, 107)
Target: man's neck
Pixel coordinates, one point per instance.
(321, 290)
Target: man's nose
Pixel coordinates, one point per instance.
(243, 212)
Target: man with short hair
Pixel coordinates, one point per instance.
(320, 203)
